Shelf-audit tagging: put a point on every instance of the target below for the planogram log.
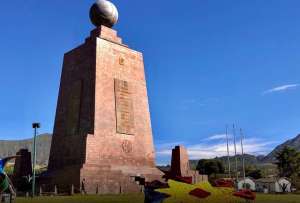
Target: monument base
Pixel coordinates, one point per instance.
(99, 179)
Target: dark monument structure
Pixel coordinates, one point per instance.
(22, 170)
(102, 132)
(23, 167)
(180, 166)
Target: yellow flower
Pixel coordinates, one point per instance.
(179, 193)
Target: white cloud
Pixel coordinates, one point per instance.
(206, 150)
(281, 88)
(219, 137)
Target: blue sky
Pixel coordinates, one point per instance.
(208, 63)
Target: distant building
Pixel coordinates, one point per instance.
(273, 185)
(246, 183)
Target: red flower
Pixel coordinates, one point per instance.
(199, 193)
(169, 176)
(246, 194)
(224, 183)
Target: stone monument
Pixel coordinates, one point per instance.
(23, 166)
(102, 132)
(180, 166)
(22, 170)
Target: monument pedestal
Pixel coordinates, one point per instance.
(102, 131)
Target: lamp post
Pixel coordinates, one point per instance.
(35, 126)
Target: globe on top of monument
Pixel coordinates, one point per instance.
(104, 12)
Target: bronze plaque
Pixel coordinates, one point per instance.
(124, 107)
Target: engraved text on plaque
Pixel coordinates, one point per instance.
(124, 107)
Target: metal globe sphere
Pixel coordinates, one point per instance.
(104, 12)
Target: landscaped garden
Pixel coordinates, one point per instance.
(139, 198)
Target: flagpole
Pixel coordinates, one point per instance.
(35, 126)
(243, 156)
(235, 155)
(228, 155)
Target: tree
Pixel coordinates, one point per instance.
(288, 162)
(253, 172)
(210, 166)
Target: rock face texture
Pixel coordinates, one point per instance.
(102, 132)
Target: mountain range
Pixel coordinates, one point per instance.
(43, 143)
(258, 161)
(294, 143)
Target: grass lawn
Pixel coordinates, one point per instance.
(139, 198)
(264, 198)
(133, 198)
